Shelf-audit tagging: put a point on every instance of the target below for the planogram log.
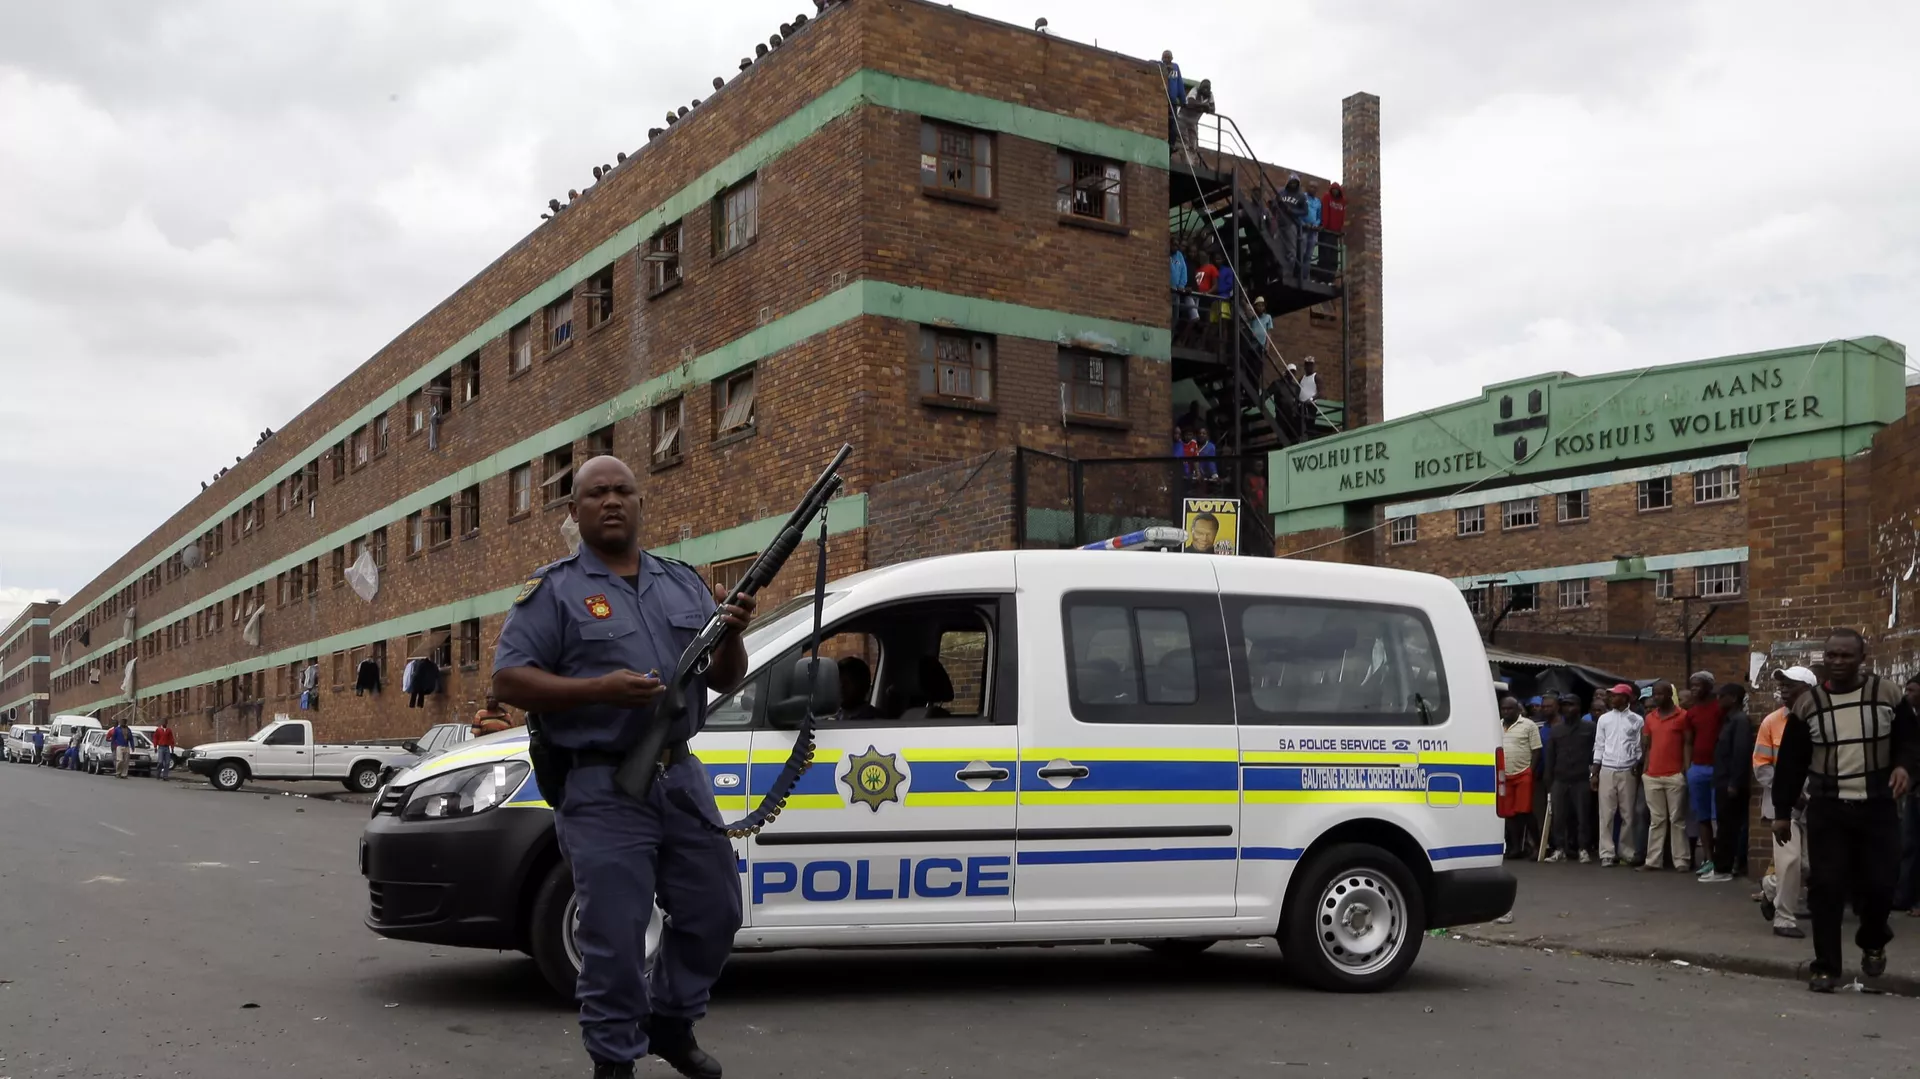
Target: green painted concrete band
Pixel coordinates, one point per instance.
(16, 634)
(843, 515)
(23, 665)
(28, 699)
(1652, 563)
(864, 87)
(855, 300)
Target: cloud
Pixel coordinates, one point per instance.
(217, 210)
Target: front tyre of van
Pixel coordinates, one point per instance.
(1354, 921)
(550, 932)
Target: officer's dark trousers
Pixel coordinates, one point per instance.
(1853, 853)
(623, 853)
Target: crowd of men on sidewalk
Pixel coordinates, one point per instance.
(1640, 779)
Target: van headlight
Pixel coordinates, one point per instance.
(464, 791)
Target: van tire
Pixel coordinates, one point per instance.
(364, 779)
(227, 776)
(1345, 893)
(548, 927)
(1179, 947)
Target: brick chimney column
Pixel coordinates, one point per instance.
(1360, 177)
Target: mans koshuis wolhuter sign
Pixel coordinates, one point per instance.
(1790, 404)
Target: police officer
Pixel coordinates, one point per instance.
(584, 649)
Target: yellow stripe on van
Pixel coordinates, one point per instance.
(722, 756)
(813, 801)
(821, 755)
(1131, 753)
(1446, 797)
(724, 802)
(1125, 798)
(479, 755)
(959, 754)
(1456, 758)
(1270, 756)
(961, 798)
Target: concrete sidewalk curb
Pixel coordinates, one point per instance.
(1891, 983)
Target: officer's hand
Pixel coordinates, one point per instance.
(1899, 782)
(737, 611)
(1783, 830)
(628, 689)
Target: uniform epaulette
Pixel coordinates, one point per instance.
(533, 579)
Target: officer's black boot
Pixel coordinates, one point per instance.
(613, 1071)
(671, 1040)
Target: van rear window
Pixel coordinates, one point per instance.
(1318, 662)
(1146, 658)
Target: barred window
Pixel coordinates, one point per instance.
(667, 419)
(663, 257)
(733, 401)
(1726, 579)
(1093, 385)
(1717, 484)
(1404, 529)
(1471, 521)
(1520, 513)
(1089, 187)
(1476, 599)
(956, 365)
(520, 348)
(1574, 506)
(1576, 594)
(597, 295)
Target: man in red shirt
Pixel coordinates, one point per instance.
(162, 750)
(1704, 717)
(1666, 744)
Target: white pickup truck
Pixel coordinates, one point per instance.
(285, 750)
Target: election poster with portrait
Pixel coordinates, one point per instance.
(1213, 525)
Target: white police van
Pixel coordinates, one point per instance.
(1056, 747)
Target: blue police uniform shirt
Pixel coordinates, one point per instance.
(583, 620)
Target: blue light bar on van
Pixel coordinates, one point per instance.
(1161, 537)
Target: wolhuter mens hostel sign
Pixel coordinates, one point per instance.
(1792, 404)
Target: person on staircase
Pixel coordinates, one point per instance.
(1309, 397)
(1291, 211)
(1333, 222)
(1310, 234)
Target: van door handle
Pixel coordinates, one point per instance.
(1063, 771)
(982, 773)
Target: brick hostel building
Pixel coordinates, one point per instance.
(1752, 501)
(940, 238)
(25, 661)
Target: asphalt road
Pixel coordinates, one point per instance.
(151, 929)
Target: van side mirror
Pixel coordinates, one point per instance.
(792, 695)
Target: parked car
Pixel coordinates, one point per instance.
(96, 752)
(285, 750)
(18, 747)
(439, 738)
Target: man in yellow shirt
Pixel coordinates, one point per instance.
(1785, 888)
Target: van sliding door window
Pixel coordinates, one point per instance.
(1146, 657)
(1325, 663)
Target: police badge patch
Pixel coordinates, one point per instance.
(533, 583)
(873, 777)
(598, 607)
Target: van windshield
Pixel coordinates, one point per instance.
(794, 612)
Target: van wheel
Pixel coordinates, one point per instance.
(228, 776)
(1179, 947)
(364, 779)
(1355, 921)
(551, 932)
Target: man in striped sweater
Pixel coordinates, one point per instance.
(1852, 740)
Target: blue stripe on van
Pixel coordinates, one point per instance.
(1473, 778)
(1141, 776)
(1272, 854)
(1475, 850)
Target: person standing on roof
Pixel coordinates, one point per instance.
(1853, 741)
(1176, 91)
(1784, 889)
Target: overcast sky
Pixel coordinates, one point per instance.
(215, 209)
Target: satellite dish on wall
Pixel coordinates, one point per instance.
(193, 557)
